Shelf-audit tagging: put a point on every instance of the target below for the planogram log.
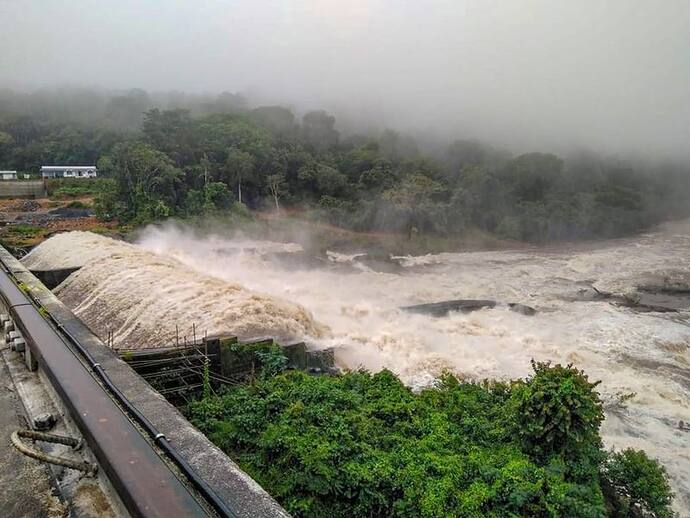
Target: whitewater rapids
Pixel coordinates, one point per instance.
(141, 299)
(172, 271)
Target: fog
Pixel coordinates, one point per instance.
(614, 75)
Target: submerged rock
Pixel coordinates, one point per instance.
(640, 301)
(643, 308)
(671, 283)
(440, 309)
(522, 309)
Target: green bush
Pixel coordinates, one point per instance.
(217, 196)
(106, 203)
(636, 485)
(71, 192)
(24, 230)
(213, 197)
(65, 188)
(557, 410)
(359, 444)
(264, 358)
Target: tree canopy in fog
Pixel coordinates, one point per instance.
(531, 120)
(533, 74)
(212, 150)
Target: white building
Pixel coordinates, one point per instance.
(8, 175)
(69, 171)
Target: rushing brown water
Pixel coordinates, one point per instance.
(148, 300)
(347, 305)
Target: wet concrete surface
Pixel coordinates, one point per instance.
(25, 488)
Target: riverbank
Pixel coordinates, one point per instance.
(317, 238)
(25, 223)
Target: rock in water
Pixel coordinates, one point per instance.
(440, 309)
(522, 309)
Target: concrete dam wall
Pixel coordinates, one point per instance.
(242, 495)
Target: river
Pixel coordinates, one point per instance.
(641, 358)
(645, 354)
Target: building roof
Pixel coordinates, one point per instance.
(67, 167)
(8, 172)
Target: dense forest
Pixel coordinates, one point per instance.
(182, 155)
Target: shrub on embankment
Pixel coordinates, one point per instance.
(359, 444)
(68, 188)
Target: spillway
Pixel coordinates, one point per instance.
(143, 299)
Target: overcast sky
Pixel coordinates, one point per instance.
(613, 75)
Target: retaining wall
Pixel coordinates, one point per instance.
(22, 189)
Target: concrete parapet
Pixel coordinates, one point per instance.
(241, 493)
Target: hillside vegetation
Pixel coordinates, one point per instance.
(213, 153)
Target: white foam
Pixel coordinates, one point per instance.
(148, 300)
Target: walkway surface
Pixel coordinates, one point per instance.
(25, 489)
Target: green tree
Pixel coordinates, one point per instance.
(172, 132)
(322, 179)
(278, 120)
(319, 130)
(146, 181)
(217, 196)
(194, 202)
(394, 146)
(107, 204)
(558, 411)
(377, 179)
(463, 153)
(637, 485)
(532, 175)
(239, 168)
(275, 183)
(126, 112)
(414, 199)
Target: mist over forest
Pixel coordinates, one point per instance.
(186, 155)
(527, 120)
(535, 74)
